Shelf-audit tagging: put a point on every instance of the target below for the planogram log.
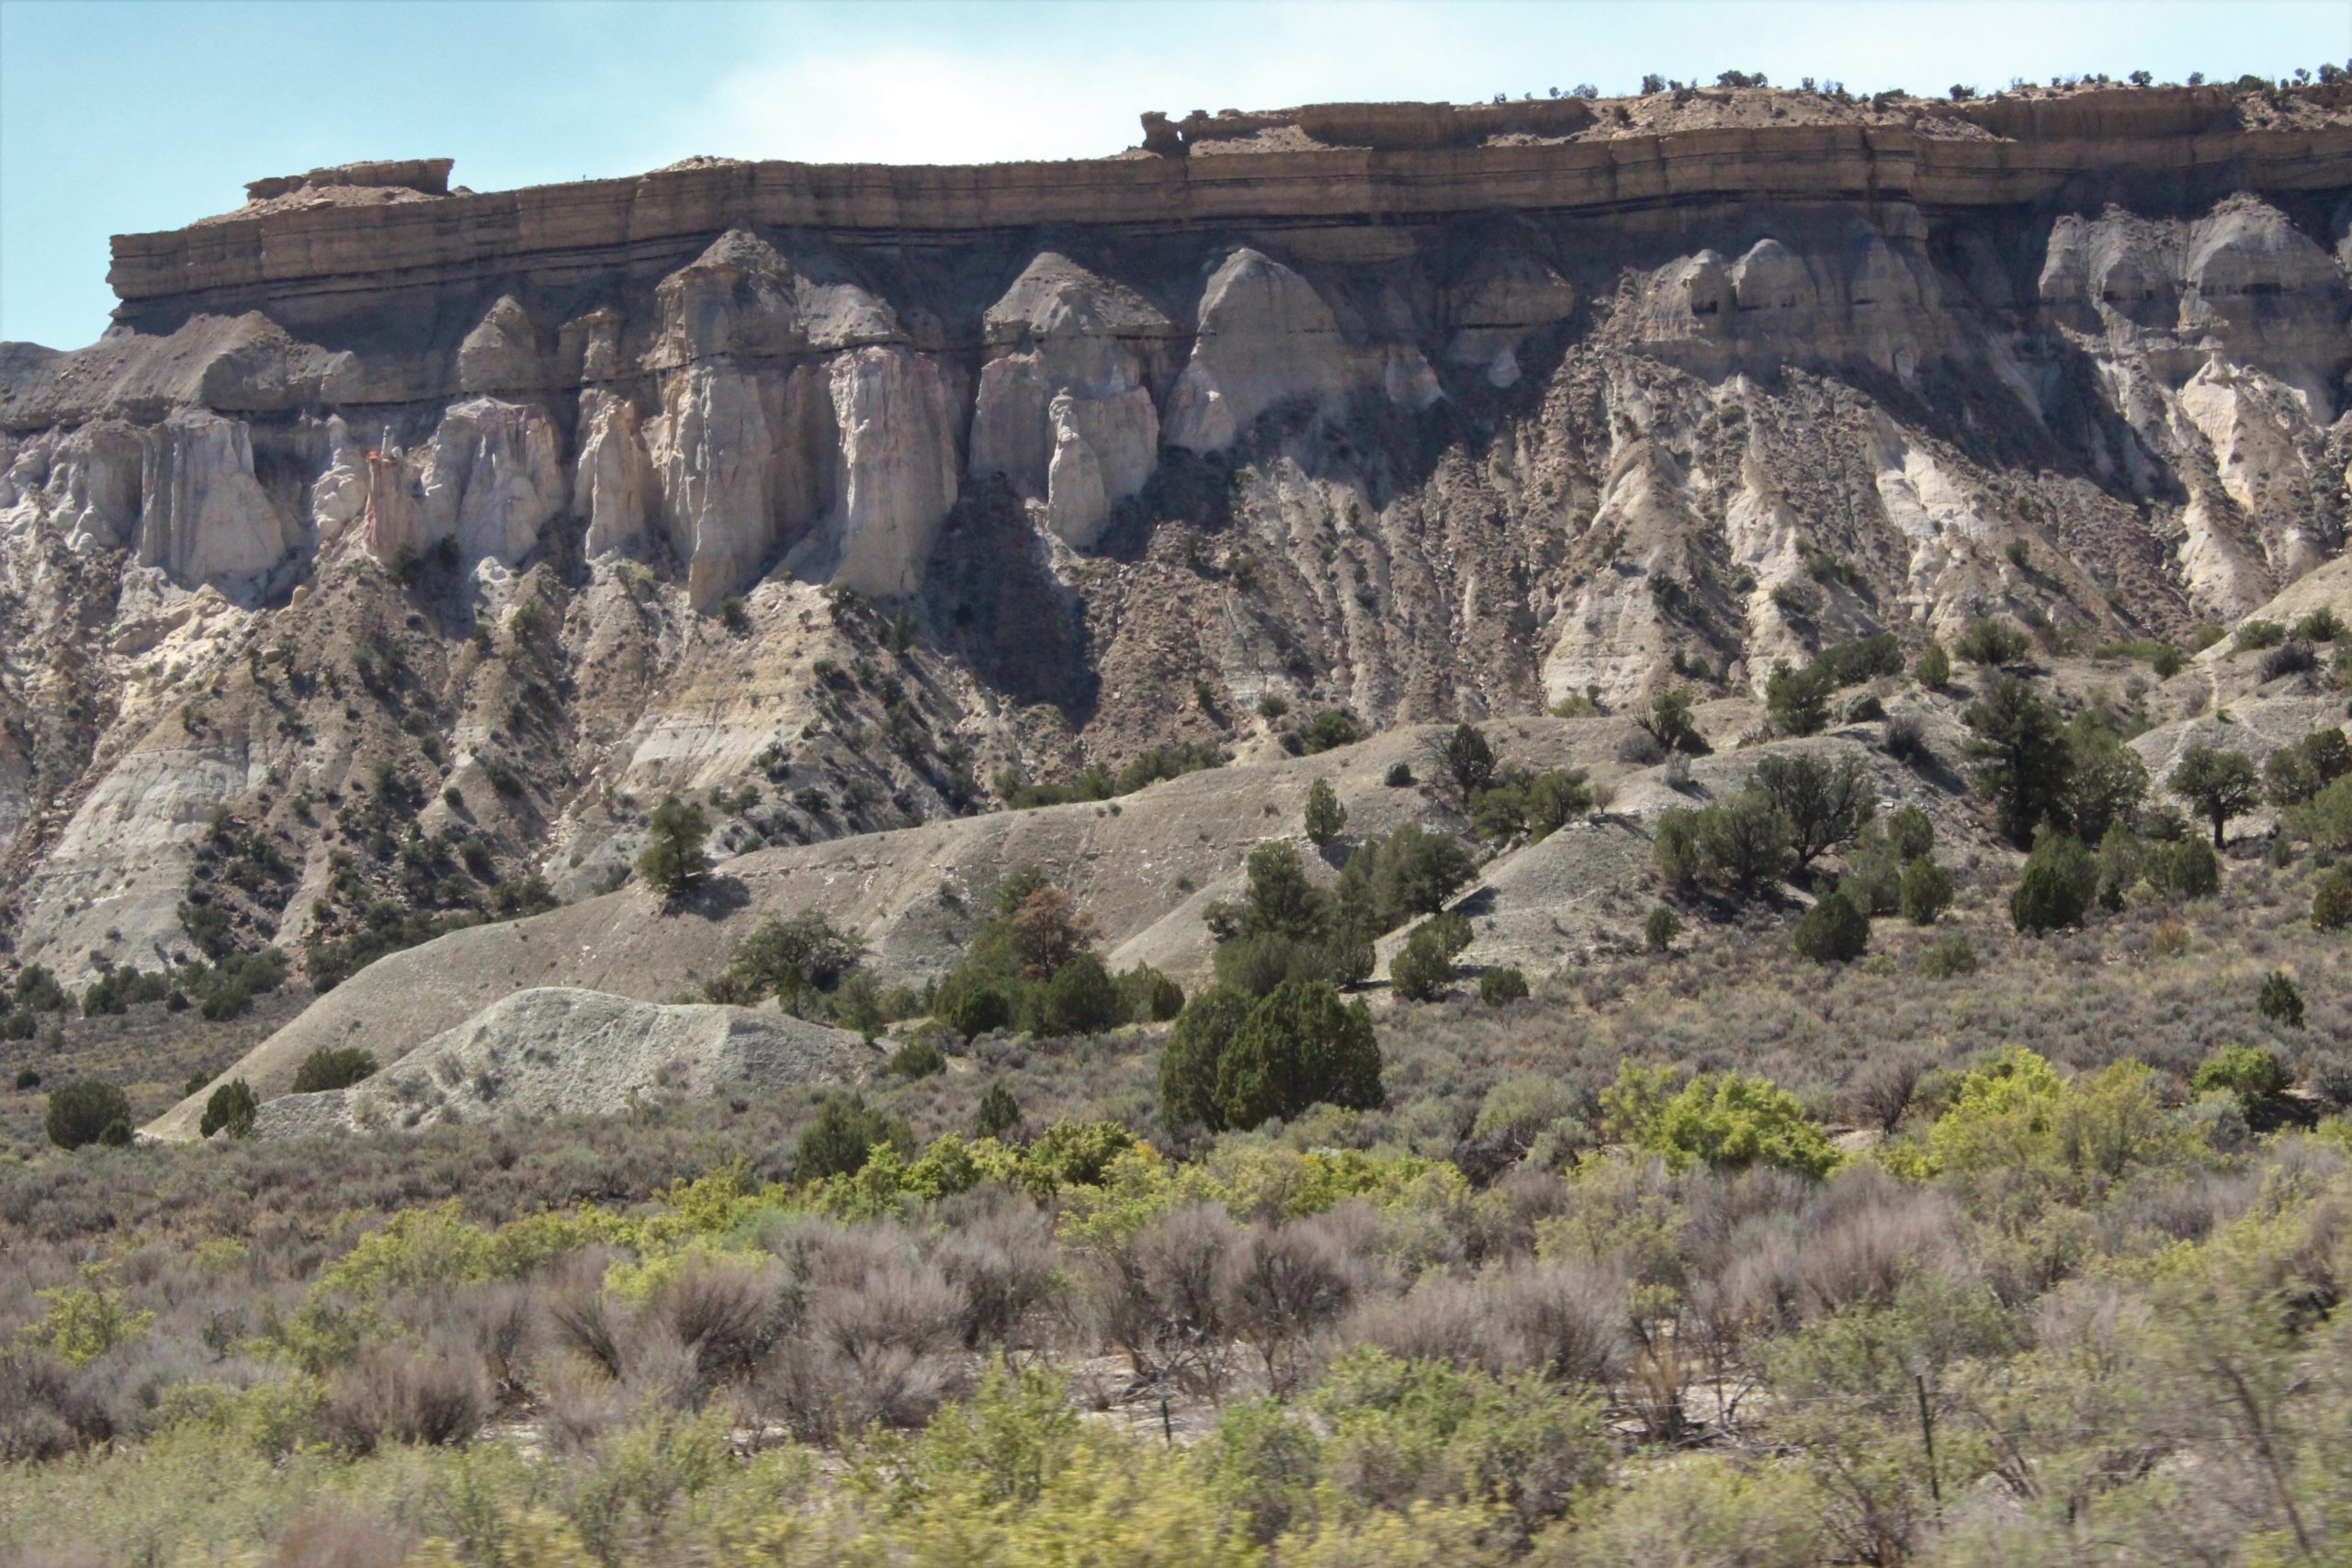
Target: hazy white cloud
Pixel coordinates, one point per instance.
(989, 100)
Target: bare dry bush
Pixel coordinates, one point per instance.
(1000, 1253)
(1159, 1300)
(1283, 1285)
(342, 1536)
(390, 1391)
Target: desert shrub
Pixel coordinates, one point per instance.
(2279, 999)
(1990, 642)
(1502, 984)
(1701, 1511)
(2252, 1073)
(2331, 900)
(1905, 739)
(1188, 1063)
(1425, 965)
(1537, 805)
(1659, 929)
(1399, 776)
(1729, 1120)
(1406, 1429)
(1927, 892)
(1300, 1046)
(844, 1132)
(1934, 668)
(917, 1059)
(1910, 831)
(1082, 998)
(2185, 868)
(393, 1392)
(1742, 846)
(1388, 880)
(999, 1113)
(231, 1110)
(1148, 996)
(2322, 624)
(2057, 885)
(80, 1112)
(1835, 930)
(2256, 636)
(1949, 959)
(2325, 819)
(2016, 1129)
(1873, 878)
(331, 1067)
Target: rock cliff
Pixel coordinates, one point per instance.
(399, 543)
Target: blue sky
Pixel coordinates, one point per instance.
(125, 116)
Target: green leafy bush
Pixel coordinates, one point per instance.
(917, 1059)
(1660, 928)
(2279, 1000)
(80, 1112)
(1300, 1046)
(1425, 965)
(331, 1067)
(1835, 930)
(1729, 1120)
(1947, 959)
(231, 1110)
(2331, 900)
(844, 1132)
(2060, 878)
(1502, 984)
(1927, 892)
(2253, 1073)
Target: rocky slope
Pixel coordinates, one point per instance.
(399, 543)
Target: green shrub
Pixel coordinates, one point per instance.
(1730, 1121)
(2279, 1000)
(917, 1059)
(1660, 929)
(1399, 775)
(2254, 637)
(1425, 965)
(844, 1133)
(1502, 984)
(1835, 930)
(2167, 662)
(2185, 868)
(1796, 702)
(1934, 668)
(1082, 998)
(978, 1007)
(2057, 886)
(1947, 959)
(2253, 1073)
(1911, 834)
(2331, 900)
(80, 1112)
(1188, 1063)
(1990, 642)
(1299, 1047)
(1927, 892)
(999, 1113)
(231, 1110)
(28, 1079)
(1148, 996)
(331, 1067)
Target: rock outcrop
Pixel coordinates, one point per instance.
(561, 1051)
(1418, 411)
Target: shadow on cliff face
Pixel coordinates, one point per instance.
(992, 597)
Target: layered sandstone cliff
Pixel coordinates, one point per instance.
(1414, 409)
